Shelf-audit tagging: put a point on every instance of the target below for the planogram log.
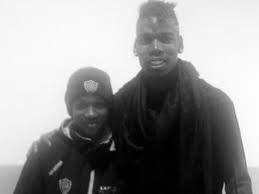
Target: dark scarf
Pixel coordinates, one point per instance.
(177, 129)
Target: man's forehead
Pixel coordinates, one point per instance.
(155, 23)
(91, 98)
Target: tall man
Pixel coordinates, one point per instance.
(82, 156)
(178, 134)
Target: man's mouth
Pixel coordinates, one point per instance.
(157, 63)
(92, 125)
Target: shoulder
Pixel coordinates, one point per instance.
(42, 143)
(46, 155)
(128, 88)
(214, 96)
(219, 108)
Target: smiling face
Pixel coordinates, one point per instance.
(157, 45)
(90, 114)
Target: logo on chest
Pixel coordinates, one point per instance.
(65, 185)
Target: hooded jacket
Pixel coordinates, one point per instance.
(70, 167)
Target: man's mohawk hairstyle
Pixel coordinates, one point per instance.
(160, 9)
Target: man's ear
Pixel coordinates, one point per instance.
(181, 47)
(135, 51)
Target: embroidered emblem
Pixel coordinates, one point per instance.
(55, 168)
(91, 86)
(65, 185)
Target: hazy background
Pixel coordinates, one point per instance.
(43, 42)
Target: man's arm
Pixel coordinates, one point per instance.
(45, 138)
(31, 178)
(237, 180)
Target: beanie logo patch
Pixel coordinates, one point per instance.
(90, 86)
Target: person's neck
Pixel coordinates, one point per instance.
(157, 89)
(161, 83)
(100, 138)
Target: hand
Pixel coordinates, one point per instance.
(45, 138)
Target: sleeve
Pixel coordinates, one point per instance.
(236, 177)
(31, 178)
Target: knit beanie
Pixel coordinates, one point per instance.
(88, 81)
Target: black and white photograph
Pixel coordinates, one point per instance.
(129, 97)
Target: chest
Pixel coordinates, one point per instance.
(74, 174)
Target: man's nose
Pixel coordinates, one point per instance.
(90, 112)
(156, 48)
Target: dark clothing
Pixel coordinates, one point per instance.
(189, 142)
(69, 166)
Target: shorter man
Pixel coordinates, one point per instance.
(81, 158)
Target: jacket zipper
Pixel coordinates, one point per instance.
(91, 182)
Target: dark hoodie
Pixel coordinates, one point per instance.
(70, 166)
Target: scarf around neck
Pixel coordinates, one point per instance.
(180, 116)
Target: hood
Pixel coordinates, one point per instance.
(85, 142)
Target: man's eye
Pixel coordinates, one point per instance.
(100, 105)
(167, 39)
(80, 106)
(145, 39)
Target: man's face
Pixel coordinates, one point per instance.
(90, 113)
(157, 45)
